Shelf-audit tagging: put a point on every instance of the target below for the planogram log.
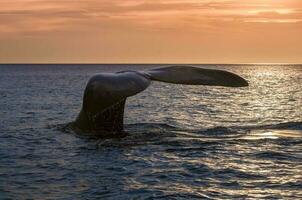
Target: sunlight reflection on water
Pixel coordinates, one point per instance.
(184, 141)
(273, 134)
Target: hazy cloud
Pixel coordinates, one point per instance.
(106, 24)
(36, 15)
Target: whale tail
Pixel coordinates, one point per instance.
(105, 94)
(196, 76)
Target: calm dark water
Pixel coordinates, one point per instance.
(184, 142)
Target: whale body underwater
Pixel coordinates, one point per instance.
(106, 93)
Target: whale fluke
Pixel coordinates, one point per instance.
(105, 94)
(196, 76)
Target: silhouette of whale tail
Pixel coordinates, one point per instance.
(196, 76)
(105, 94)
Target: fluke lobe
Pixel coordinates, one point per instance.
(106, 93)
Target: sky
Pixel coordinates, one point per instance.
(150, 31)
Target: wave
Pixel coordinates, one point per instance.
(161, 133)
(137, 127)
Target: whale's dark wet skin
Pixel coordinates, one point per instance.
(105, 95)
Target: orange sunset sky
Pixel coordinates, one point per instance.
(150, 31)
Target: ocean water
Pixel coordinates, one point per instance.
(184, 142)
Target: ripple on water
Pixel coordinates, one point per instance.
(183, 142)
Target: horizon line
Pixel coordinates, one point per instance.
(138, 63)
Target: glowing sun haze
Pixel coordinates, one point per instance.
(150, 31)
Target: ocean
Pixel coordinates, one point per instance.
(183, 142)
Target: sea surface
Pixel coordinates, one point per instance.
(183, 142)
